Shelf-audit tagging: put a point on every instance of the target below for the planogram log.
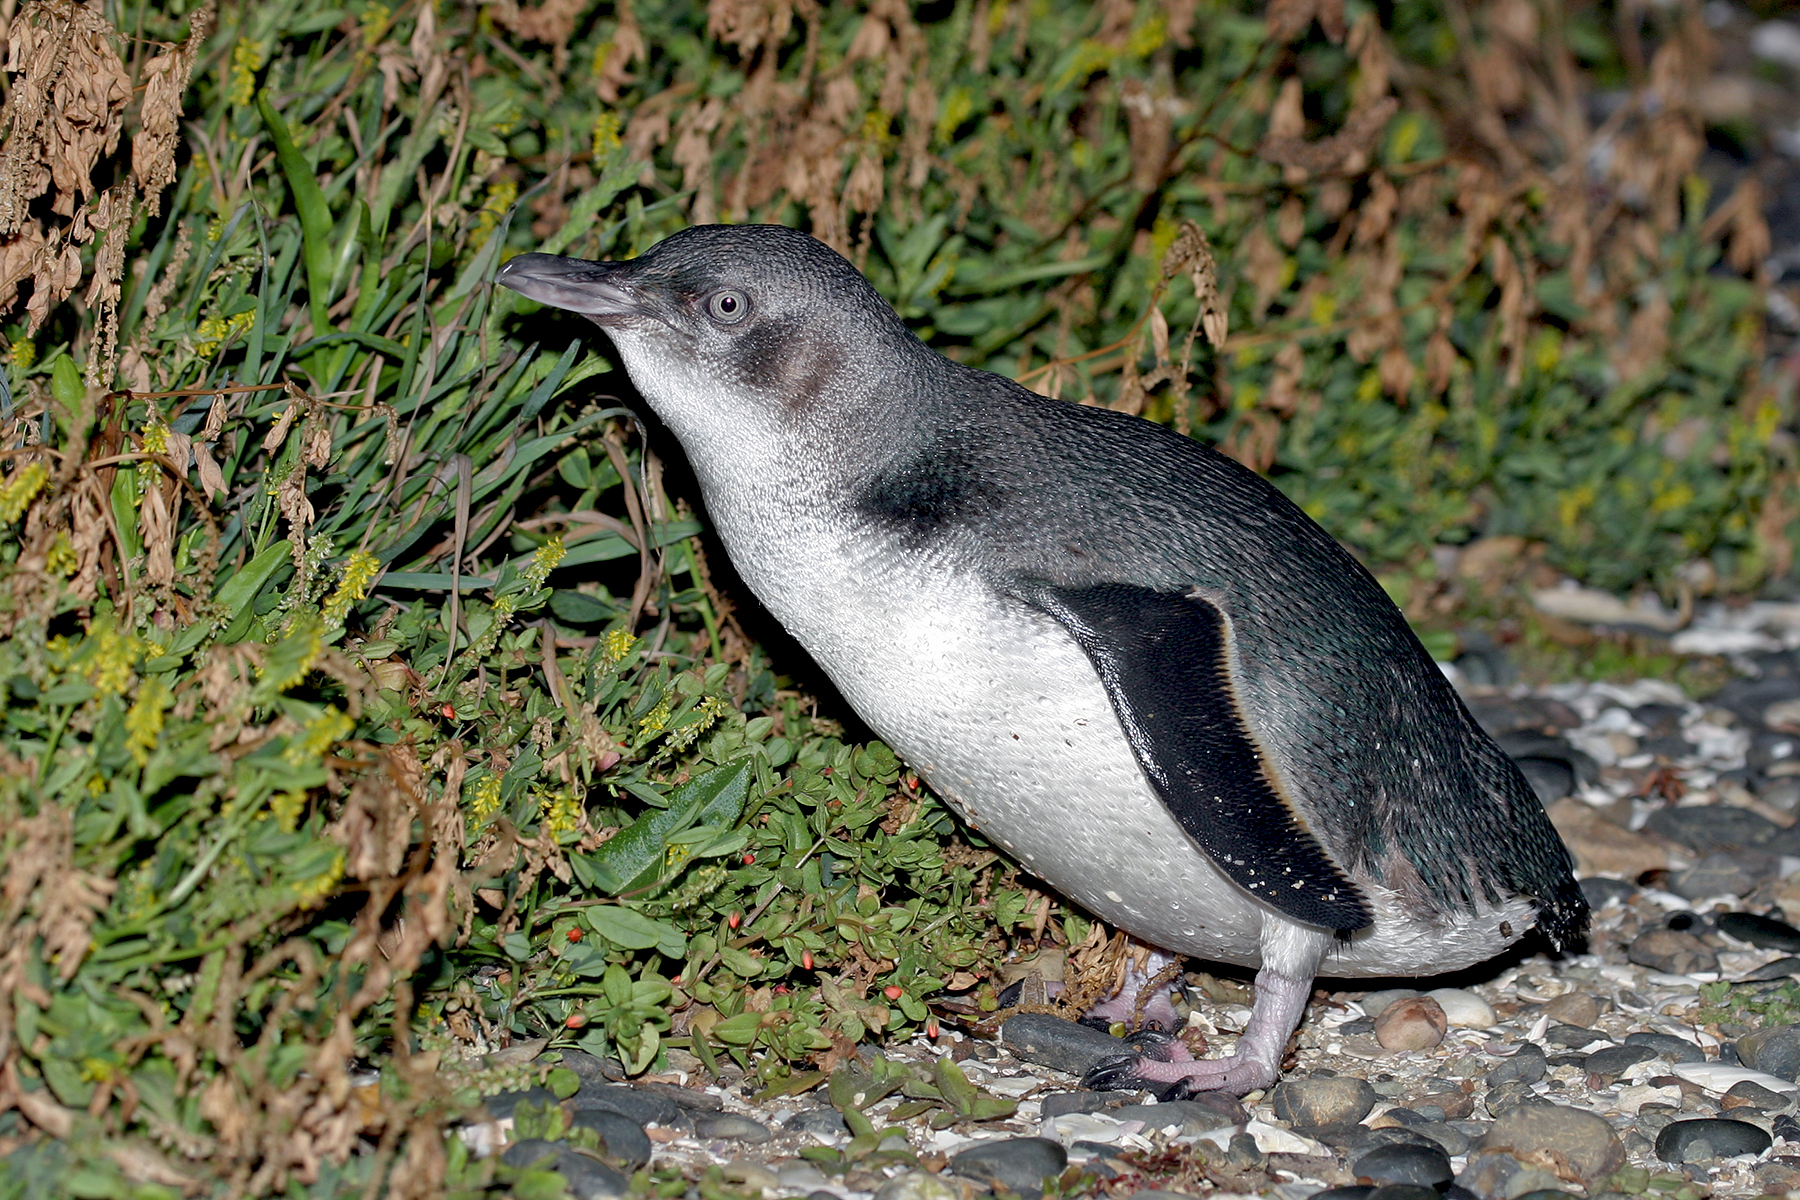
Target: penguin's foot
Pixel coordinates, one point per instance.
(1134, 1007)
(1253, 1064)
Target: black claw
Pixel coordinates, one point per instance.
(1181, 1089)
(1153, 1043)
(1113, 1074)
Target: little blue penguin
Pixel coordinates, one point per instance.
(1123, 657)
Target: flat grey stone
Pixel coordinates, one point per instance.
(1020, 1164)
(1586, 1141)
(1058, 1044)
(622, 1140)
(1527, 1066)
(1775, 1049)
(1057, 1104)
(646, 1108)
(1614, 1061)
(1769, 972)
(1600, 891)
(1667, 1045)
(1201, 1114)
(817, 1120)
(1723, 873)
(501, 1104)
(732, 1126)
(1707, 828)
(531, 1151)
(1709, 1138)
(1323, 1100)
(1765, 933)
(915, 1185)
(1426, 1165)
(590, 1179)
(1672, 951)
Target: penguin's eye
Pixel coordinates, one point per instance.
(728, 307)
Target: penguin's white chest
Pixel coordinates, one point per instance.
(1000, 712)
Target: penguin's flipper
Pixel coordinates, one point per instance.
(1165, 658)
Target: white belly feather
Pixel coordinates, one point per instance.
(1001, 713)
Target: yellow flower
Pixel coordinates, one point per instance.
(561, 816)
(19, 491)
(23, 353)
(360, 570)
(111, 655)
(486, 799)
(287, 807)
(246, 61)
(500, 197)
(607, 124)
(322, 733)
(543, 562)
(144, 720)
(614, 646)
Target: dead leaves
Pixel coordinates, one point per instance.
(65, 112)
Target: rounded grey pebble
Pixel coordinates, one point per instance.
(1404, 1163)
(1058, 1104)
(1551, 779)
(1721, 874)
(1708, 1138)
(645, 1108)
(1201, 1114)
(1354, 1191)
(1769, 972)
(1527, 1066)
(914, 1185)
(1546, 1194)
(1062, 1045)
(1775, 1049)
(1765, 933)
(822, 1194)
(1708, 828)
(1614, 1061)
(1672, 951)
(1018, 1163)
(501, 1105)
(1403, 1191)
(1600, 892)
(732, 1126)
(1667, 1045)
(590, 1179)
(1323, 1100)
(1585, 1141)
(530, 1151)
(817, 1120)
(621, 1138)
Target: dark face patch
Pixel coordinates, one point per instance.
(796, 364)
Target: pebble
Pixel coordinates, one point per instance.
(1201, 1114)
(1601, 891)
(1405, 1162)
(1781, 968)
(1614, 1061)
(1414, 1023)
(1750, 1094)
(1573, 1008)
(1763, 932)
(1464, 1009)
(621, 1139)
(1062, 1045)
(827, 1121)
(1672, 952)
(1021, 1164)
(646, 1108)
(1726, 873)
(915, 1185)
(1706, 1139)
(1706, 829)
(587, 1178)
(1668, 1046)
(1775, 1050)
(1323, 1100)
(1375, 1003)
(501, 1105)
(1528, 1065)
(732, 1126)
(1585, 1140)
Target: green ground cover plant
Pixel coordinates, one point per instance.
(371, 702)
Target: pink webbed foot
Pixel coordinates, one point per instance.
(1132, 1007)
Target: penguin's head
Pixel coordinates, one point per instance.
(731, 330)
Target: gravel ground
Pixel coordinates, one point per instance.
(1661, 1063)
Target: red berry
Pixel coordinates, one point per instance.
(735, 920)
(806, 959)
(574, 935)
(781, 989)
(892, 991)
(931, 1029)
(748, 859)
(575, 1021)
(449, 711)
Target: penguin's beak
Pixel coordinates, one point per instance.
(590, 288)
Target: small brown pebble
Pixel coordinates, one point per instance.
(1574, 1008)
(1415, 1023)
